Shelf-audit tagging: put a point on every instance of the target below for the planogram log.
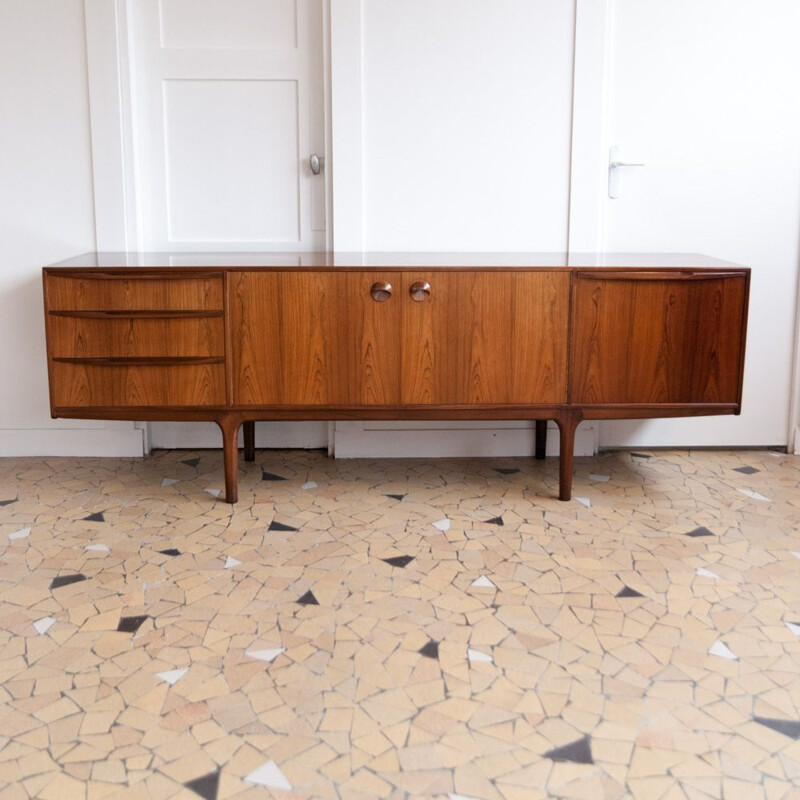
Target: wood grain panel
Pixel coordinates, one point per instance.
(88, 385)
(313, 339)
(484, 338)
(124, 292)
(94, 337)
(667, 340)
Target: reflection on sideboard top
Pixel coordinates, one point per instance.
(441, 260)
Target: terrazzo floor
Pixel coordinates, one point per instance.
(401, 628)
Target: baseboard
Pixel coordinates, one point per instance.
(450, 439)
(202, 435)
(117, 440)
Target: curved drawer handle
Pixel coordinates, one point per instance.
(420, 291)
(381, 291)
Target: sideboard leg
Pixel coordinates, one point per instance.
(567, 424)
(249, 431)
(541, 438)
(230, 451)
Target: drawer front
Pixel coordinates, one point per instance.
(132, 293)
(658, 339)
(92, 337)
(97, 385)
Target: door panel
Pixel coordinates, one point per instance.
(229, 105)
(314, 338)
(657, 341)
(319, 338)
(486, 337)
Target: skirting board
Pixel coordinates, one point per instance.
(202, 435)
(450, 439)
(383, 439)
(118, 440)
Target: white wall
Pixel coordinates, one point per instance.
(46, 213)
(467, 115)
(709, 94)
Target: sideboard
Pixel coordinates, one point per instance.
(239, 337)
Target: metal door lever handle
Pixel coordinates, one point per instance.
(626, 164)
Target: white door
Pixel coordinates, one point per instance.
(706, 95)
(228, 100)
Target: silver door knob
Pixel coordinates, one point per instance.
(316, 163)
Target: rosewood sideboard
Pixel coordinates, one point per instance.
(239, 337)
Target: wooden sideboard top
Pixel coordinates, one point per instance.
(395, 261)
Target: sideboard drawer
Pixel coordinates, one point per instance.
(119, 384)
(75, 292)
(106, 336)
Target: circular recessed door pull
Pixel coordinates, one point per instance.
(420, 290)
(381, 291)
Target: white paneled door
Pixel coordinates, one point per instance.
(228, 106)
(705, 95)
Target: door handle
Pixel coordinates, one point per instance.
(420, 291)
(615, 161)
(317, 163)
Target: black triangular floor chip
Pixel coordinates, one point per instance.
(8, 502)
(495, 521)
(579, 752)
(96, 517)
(399, 561)
(206, 785)
(170, 551)
(746, 470)
(308, 599)
(191, 462)
(66, 580)
(506, 470)
(788, 727)
(279, 526)
(269, 476)
(131, 624)
(640, 455)
(395, 496)
(430, 650)
(626, 591)
(701, 531)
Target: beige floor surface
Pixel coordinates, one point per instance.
(401, 628)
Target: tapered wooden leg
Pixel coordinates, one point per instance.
(567, 424)
(249, 431)
(541, 438)
(230, 451)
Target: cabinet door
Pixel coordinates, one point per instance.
(486, 337)
(650, 338)
(314, 338)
